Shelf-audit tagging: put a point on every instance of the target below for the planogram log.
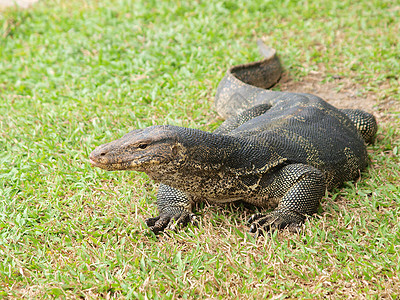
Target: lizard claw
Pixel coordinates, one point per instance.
(261, 223)
(173, 223)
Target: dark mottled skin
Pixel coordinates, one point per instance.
(276, 150)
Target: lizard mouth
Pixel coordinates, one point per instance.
(110, 166)
(94, 163)
(142, 164)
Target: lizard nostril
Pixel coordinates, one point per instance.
(102, 153)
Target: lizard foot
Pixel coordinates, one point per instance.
(171, 222)
(261, 223)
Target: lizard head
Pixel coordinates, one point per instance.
(141, 150)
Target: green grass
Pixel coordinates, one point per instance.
(76, 74)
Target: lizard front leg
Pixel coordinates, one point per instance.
(174, 208)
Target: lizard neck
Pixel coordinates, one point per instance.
(211, 163)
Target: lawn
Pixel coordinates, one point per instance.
(77, 74)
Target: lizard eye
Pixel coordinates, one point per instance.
(142, 146)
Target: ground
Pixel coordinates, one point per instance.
(21, 3)
(342, 93)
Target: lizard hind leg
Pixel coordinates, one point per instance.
(300, 187)
(364, 122)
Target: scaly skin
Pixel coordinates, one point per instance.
(276, 150)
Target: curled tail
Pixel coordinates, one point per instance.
(364, 122)
(241, 83)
